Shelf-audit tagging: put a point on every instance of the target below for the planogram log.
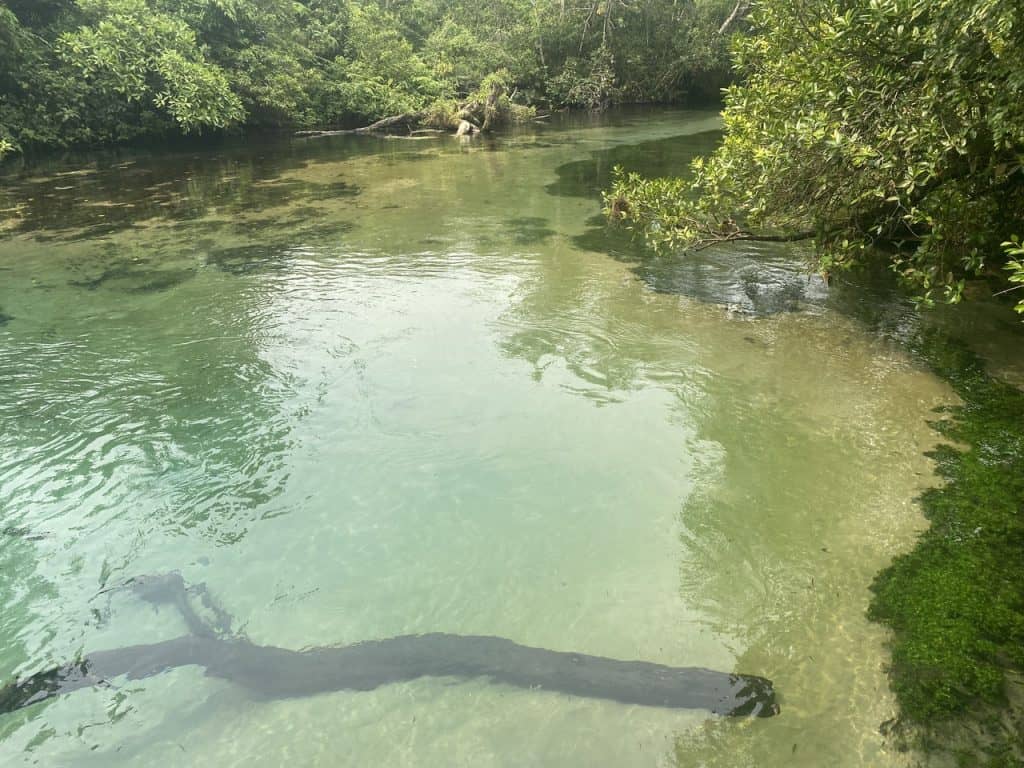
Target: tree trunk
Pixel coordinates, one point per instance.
(742, 6)
(491, 110)
(395, 124)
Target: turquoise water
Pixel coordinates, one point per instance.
(365, 387)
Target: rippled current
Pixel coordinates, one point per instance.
(365, 387)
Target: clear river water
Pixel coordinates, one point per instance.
(366, 387)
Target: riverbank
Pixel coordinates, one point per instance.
(956, 601)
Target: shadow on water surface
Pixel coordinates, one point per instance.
(756, 279)
(660, 157)
(529, 230)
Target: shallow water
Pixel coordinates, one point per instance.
(365, 387)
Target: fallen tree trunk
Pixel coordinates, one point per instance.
(469, 118)
(395, 124)
(318, 134)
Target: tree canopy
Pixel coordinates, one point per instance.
(889, 129)
(94, 71)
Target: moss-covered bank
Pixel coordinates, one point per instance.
(956, 602)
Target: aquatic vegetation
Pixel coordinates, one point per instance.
(333, 190)
(956, 601)
(133, 279)
(244, 259)
(529, 230)
(191, 193)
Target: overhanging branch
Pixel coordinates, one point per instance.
(711, 238)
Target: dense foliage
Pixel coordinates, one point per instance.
(880, 128)
(90, 71)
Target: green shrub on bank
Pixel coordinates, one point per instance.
(881, 129)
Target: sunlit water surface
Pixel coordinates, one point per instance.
(364, 388)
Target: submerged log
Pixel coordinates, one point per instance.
(280, 673)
